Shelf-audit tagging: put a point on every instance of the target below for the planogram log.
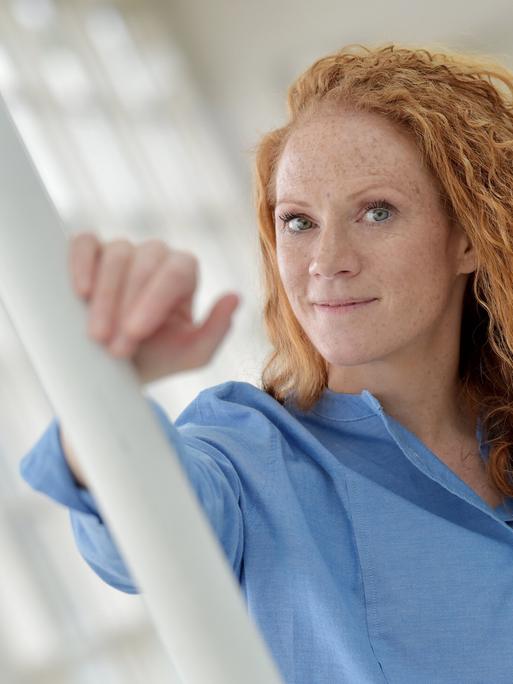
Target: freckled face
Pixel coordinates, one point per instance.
(360, 218)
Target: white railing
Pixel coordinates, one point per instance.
(190, 591)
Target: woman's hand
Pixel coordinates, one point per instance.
(140, 304)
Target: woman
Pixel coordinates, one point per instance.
(354, 494)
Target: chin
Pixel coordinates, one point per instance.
(355, 357)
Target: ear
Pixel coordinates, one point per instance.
(467, 261)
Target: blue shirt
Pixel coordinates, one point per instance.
(362, 557)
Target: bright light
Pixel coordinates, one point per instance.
(33, 14)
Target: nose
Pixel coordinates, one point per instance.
(333, 254)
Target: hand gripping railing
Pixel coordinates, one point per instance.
(190, 590)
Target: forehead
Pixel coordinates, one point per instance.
(342, 147)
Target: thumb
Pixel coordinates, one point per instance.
(214, 328)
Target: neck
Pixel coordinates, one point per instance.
(433, 411)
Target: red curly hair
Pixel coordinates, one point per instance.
(459, 110)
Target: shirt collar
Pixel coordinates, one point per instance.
(344, 407)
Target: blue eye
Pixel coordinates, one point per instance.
(288, 217)
(379, 206)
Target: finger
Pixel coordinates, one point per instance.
(148, 258)
(83, 253)
(209, 335)
(175, 280)
(111, 275)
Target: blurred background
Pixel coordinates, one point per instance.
(141, 116)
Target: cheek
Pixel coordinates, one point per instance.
(424, 266)
(293, 270)
(419, 285)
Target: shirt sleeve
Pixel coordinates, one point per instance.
(209, 470)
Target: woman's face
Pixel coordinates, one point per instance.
(357, 217)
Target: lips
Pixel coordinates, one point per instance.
(343, 309)
(343, 302)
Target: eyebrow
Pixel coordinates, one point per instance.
(287, 200)
(353, 195)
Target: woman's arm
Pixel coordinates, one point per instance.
(46, 468)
